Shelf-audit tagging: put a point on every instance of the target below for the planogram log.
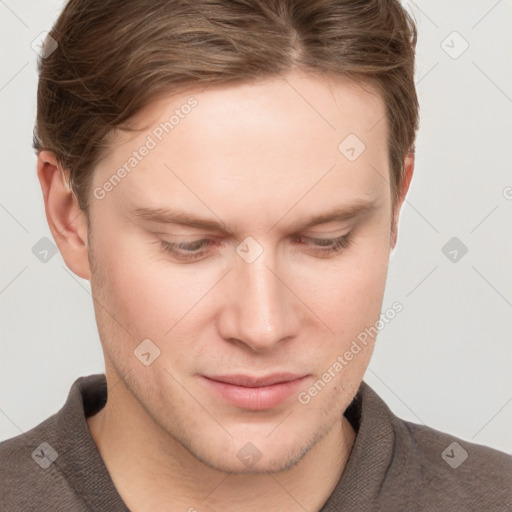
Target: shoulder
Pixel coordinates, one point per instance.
(457, 473)
(30, 472)
(416, 467)
(51, 466)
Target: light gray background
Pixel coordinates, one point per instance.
(444, 361)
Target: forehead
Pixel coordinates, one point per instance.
(326, 104)
(270, 142)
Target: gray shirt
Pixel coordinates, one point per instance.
(394, 465)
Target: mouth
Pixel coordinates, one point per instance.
(255, 393)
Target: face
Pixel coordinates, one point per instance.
(250, 240)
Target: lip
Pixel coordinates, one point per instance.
(255, 393)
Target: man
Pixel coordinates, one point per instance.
(229, 177)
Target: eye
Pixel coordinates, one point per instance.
(185, 251)
(327, 246)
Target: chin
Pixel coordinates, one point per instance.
(258, 456)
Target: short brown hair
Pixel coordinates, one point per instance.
(114, 56)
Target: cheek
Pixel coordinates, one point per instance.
(140, 289)
(349, 291)
(348, 298)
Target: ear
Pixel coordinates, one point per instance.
(404, 187)
(67, 222)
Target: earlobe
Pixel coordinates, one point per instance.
(406, 182)
(67, 222)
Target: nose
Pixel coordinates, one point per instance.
(260, 311)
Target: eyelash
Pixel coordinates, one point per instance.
(333, 246)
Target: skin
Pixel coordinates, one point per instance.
(262, 160)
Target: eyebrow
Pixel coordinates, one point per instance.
(171, 216)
